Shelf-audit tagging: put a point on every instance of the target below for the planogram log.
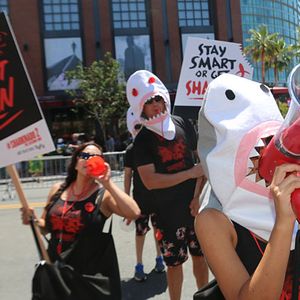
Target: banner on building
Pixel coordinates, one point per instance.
(203, 61)
(23, 130)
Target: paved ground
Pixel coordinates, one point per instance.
(18, 256)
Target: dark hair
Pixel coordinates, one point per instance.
(72, 172)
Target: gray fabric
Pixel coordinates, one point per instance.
(208, 199)
(206, 139)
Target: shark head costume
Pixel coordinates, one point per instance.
(142, 86)
(237, 120)
(133, 124)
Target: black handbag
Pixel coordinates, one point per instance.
(211, 291)
(87, 270)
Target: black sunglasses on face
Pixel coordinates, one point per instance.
(156, 99)
(86, 156)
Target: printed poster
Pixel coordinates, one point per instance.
(203, 61)
(23, 130)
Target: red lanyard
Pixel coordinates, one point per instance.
(257, 243)
(66, 209)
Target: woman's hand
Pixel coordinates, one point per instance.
(27, 214)
(285, 181)
(105, 178)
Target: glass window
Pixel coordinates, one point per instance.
(131, 12)
(59, 12)
(4, 5)
(190, 10)
(61, 19)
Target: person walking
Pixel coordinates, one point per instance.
(164, 152)
(143, 197)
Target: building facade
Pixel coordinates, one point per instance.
(55, 35)
(280, 16)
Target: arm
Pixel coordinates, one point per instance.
(268, 279)
(195, 203)
(26, 215)
(127, 180)
(115, 200)
(153, 180)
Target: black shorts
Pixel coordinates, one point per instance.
(142, 224)
(174, 248)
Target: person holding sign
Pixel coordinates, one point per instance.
(164, 157)
(71, 209)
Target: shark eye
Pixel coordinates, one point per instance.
(230, 94)
(264, 88)
(134, 92)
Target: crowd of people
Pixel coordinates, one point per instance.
(165, 177)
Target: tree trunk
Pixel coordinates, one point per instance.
(275, 76)
(263, 66)
(100, 133)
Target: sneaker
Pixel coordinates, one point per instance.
(139, 274)
(159, 266)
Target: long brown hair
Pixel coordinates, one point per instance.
(71, 172)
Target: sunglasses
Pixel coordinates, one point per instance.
(156, 99)
(86, 156)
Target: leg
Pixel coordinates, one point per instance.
(139, 246)
(200, 270)
(158, 253)
(159, 264)
(175, 279)
(141, 230)
(174, 249)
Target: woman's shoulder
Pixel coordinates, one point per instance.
(54, 188)
(213, 222)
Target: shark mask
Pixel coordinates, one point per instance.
(133, 124)
(142, 86)
(237, 120)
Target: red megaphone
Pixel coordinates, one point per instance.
(285, 145)
(95, 166)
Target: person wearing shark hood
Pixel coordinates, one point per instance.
(164, 155)
(246, 231)
(143, 197)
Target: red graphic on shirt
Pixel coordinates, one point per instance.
(173, 152)
(71, 223)
(286, 293)
(166, 154)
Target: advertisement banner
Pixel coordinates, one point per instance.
(203, 61)
(23, 130)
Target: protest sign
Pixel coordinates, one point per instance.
(203, 61)
(23, 130)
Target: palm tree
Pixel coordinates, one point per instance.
(260, 46)
(280, 56)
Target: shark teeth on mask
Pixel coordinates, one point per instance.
(162, 114)
(253, 161)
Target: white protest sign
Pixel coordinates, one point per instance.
(203, 61)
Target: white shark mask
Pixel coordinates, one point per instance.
(133, 124)
(142, 86)
(235, 123)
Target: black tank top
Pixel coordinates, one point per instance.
(250, 256)
(66, 219)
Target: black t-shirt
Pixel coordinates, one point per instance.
(170, 156)
(141, 194)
